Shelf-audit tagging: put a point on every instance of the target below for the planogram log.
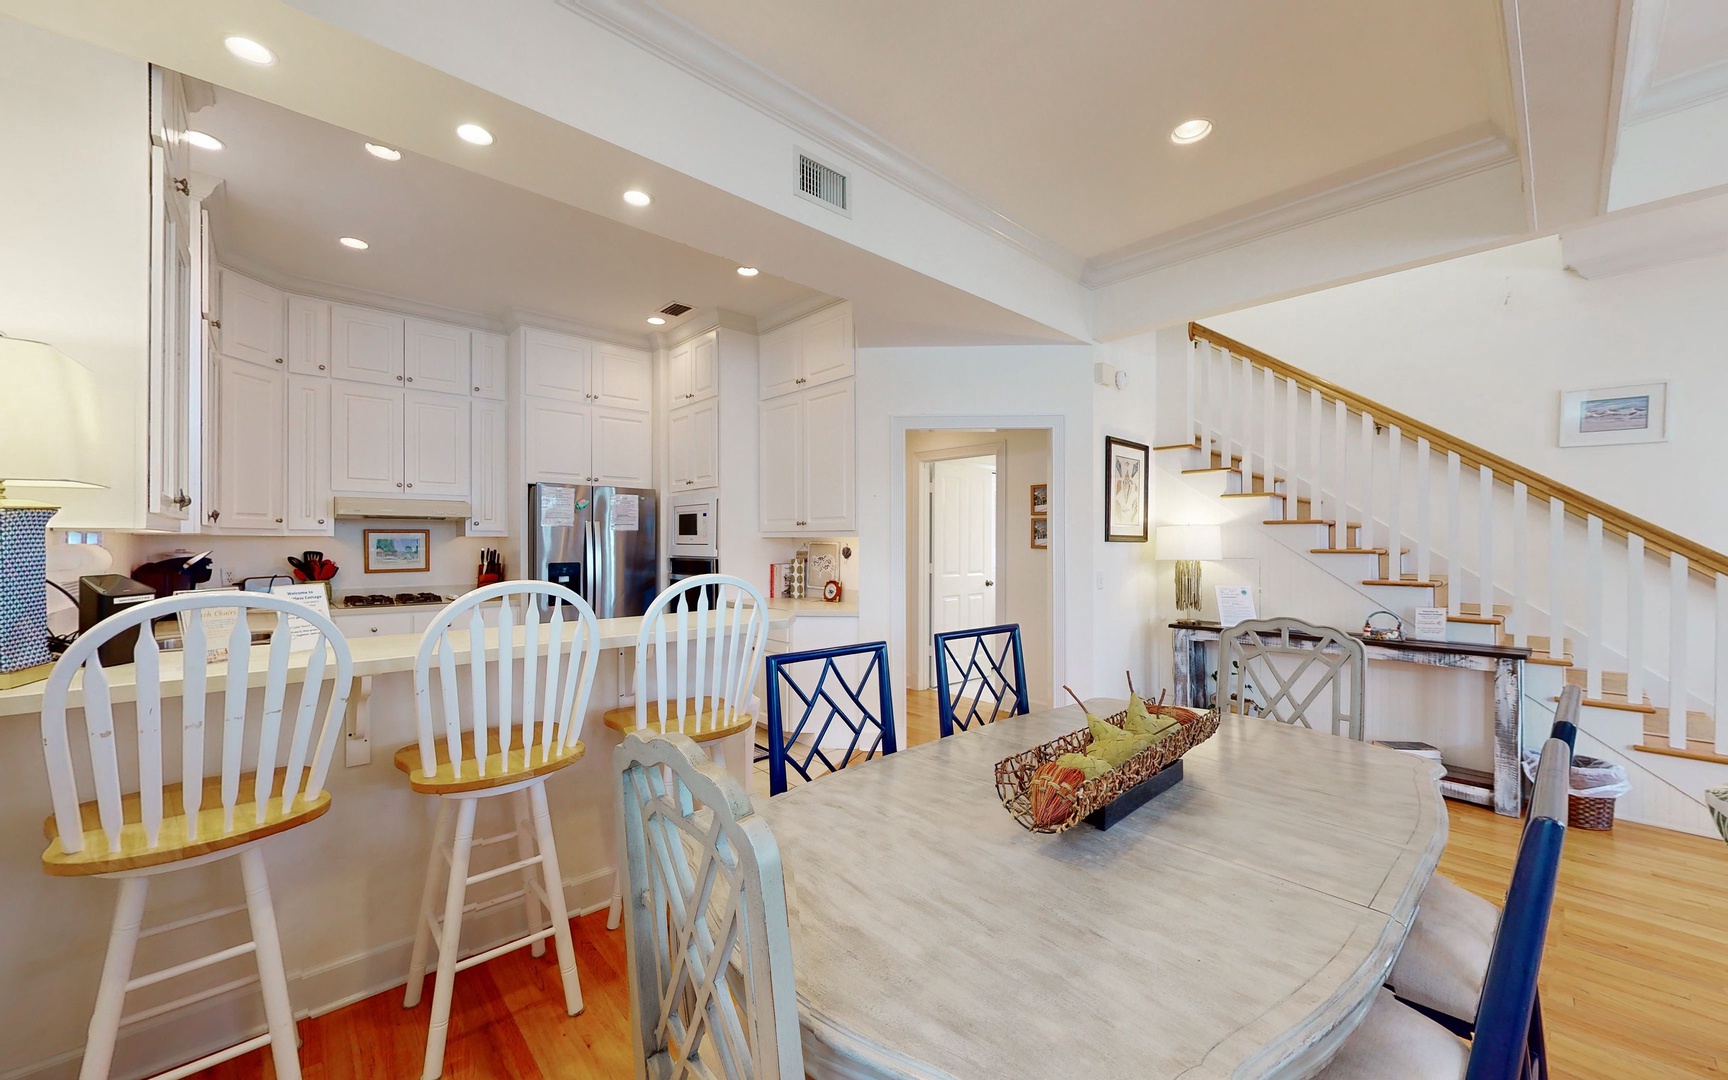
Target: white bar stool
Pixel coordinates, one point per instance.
(474, 762)
(714, 629)
(159, 826)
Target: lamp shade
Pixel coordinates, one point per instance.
(1190, 543)
(49, 433)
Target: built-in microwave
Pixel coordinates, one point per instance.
(695, 525)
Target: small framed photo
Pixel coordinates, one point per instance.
(1126, 495)
(1040, 534)
(1040, 500)
(1614, 415)
(398, 551)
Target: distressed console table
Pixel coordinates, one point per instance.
(1504, 790)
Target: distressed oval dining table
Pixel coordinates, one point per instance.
(1236, 926)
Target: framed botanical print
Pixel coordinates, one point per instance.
(1126, 493)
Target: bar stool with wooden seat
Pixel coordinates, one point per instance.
(538, 731)
(271, 780)
(713, 629)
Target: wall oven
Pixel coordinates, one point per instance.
(695, 525)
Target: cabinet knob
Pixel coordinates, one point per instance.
(410, 378)
(320, 521)
(476, 389)
(476, 524)
(410, 485)
(278, 521)
(320, 367)
(374, 629)
(398, 483)
(278, 359)
(398, 378)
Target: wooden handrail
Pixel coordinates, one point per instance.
(1702, 560)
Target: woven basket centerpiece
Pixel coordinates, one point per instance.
(1057, 799)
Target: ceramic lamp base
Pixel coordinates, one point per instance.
(24, 655)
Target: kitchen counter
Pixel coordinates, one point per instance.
(817, 607)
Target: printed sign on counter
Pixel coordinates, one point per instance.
(1430, 624)
(1235, 604)
(626, 512)
(218, 624)
(303, 635)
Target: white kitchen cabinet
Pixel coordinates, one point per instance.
(251, 321)
(365, 345)
(251, 418)
(779, 474)
(813, 351)
(623, 448)
(693, 372)
(366, 439)
(367, 623)
(693, 446)
(435, 356)
(558, 441)
(489, 498)
(308, 336)
(487, 354)
(621, 378)
(308, 449)
(807, 464)
(555, 365)
(435, 459)
(175, 328)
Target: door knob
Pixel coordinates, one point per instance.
(989, 584)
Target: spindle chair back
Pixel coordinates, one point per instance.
(1295, 673)
(975, 667)
(697, 656)
(709, 953)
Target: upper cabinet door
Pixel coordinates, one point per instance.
(705, 366)
(693, 448)
(779, 472)
(678, 375)
(558, 442)
(825, 352)
(555, 365)
(251, 321)
(435, 356)
(778, 366)
(365, 345)
(487, 354)
(489, 487)
(623, 448)
(251, 417)
(309, 456)
(308, 336)
(622, 378)
(366, 439)
(829, 451)
(435, 458)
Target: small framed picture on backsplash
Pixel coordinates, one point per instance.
(398, 551)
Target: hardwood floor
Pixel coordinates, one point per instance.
(1634, 982)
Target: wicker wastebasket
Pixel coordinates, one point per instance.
(1596, 786)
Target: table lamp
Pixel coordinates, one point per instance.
(48, 439)
(1187, 546)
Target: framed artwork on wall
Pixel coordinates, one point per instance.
(1040, 534)
(1614, 415)
(398, 551)
(1126, 494)
(1040, 500)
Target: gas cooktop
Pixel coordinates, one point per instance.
(388, 600)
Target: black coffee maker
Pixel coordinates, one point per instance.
(177, 573)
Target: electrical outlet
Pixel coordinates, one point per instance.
(226, 576)
(1100, 581)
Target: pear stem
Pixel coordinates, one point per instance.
(1076, 698)
(1130, 675)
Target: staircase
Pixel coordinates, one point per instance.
(1410, 517)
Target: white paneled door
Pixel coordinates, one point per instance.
(962, 544)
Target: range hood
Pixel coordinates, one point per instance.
(361, 506)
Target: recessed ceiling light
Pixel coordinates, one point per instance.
(475, 134)
(354, 242)
(379, 150)
(1191, 131)
(248, 50)
(637, 198)
(203, 141)
(748, 271)
(655, 320)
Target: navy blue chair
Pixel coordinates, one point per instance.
(821, 696)
(978, 666)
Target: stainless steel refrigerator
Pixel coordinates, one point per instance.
(601, 542)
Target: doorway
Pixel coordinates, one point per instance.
(963, 526)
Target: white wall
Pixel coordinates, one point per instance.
(1481, 347)
(75, 238)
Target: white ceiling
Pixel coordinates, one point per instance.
(1060, 115)
(442, 235)
(1694, 35)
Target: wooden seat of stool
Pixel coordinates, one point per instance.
(172, 846)
(701, 726)
(520, 763)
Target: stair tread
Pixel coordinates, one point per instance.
(1178, 446)
(1696, 750)
(1476, 609)
(1431, 583)
(1353, 551)
(1310, 521)
(1544, 658)
(1614, 701)
(1215, 468)
(1251, 495)
(1480, 620)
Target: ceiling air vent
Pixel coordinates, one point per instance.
(674, 309)
(823, 184)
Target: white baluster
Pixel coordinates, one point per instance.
(1365, 537)
(1316, 472)
(1593, 607)
(1721, 729)
(1250, 421)
(1268, 425)
(1424, 501)
(1635, 619)
(1454, 534)
(1485, 517)
(1556, 579)
(1207, 405)
(1226, 410)
(1291, 472)
(1520, 564)
(1395, 494)
(1188, 417)
(1677, 696)
(1341, 505)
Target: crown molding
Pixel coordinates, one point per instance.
(517, 318)
(1283, 212)
(794, 311)
(682, 45)
(349, 294)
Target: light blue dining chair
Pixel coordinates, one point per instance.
(1395, 1040)
(978, 666)
(824, 699)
